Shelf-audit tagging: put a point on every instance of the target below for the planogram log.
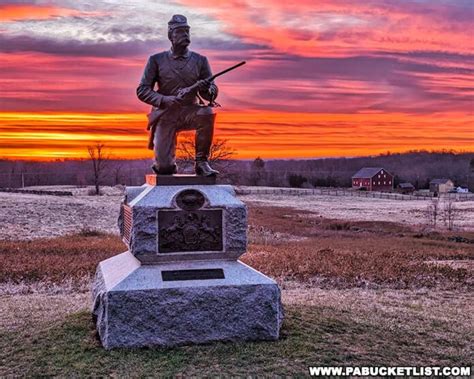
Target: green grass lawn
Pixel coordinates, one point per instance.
(311, 335)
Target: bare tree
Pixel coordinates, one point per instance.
(99, 157)
(117, 171)
(449, 213)
(470, 176)
(257, 172)
(220, 152)
(433, 212)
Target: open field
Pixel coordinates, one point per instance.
(355, 291)
(286, 244)
(28, 216)
(407, 212)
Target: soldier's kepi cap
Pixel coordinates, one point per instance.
(177, 21)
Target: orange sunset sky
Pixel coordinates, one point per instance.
(323, 78)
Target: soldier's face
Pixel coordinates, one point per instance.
(181, 37)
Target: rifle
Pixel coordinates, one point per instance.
(156, 113)
(183, 92)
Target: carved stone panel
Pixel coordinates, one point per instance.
(197, 230)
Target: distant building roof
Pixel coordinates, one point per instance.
(440, 181)
(406, 186)
(368, 172)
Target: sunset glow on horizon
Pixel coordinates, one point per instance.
(326, 79)
(251, 134)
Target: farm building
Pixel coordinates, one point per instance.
(373, 179)
(406, 188)
(441, 185)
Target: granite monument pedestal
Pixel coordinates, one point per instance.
(180, 281)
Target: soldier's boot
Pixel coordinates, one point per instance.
(204, 133)
(203, 168)
(165, 170)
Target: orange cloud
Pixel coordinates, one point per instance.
(18, 12)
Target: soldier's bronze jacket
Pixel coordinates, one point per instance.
(170, 73)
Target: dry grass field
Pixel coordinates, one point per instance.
(406, 212)
(355, 291)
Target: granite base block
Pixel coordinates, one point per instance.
(135, 307)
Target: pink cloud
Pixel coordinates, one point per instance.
(342, 28)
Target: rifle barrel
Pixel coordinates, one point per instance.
(227, 70)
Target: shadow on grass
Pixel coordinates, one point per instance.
(310, 336)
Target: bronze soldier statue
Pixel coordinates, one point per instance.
(175, 110)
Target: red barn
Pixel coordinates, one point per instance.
(373, 179)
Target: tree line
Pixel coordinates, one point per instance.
(416, 167)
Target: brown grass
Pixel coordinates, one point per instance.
(354, 253)
(56, 259)
(353, 265)
(283, 243)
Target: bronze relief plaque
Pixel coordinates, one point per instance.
(190, 228)
(182, 231)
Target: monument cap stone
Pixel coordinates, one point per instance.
(179, 179)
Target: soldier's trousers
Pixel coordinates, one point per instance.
(189, 117)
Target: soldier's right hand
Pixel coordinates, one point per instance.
(204, 84)
(169, 101)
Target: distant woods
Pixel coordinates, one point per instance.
(416, 167)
